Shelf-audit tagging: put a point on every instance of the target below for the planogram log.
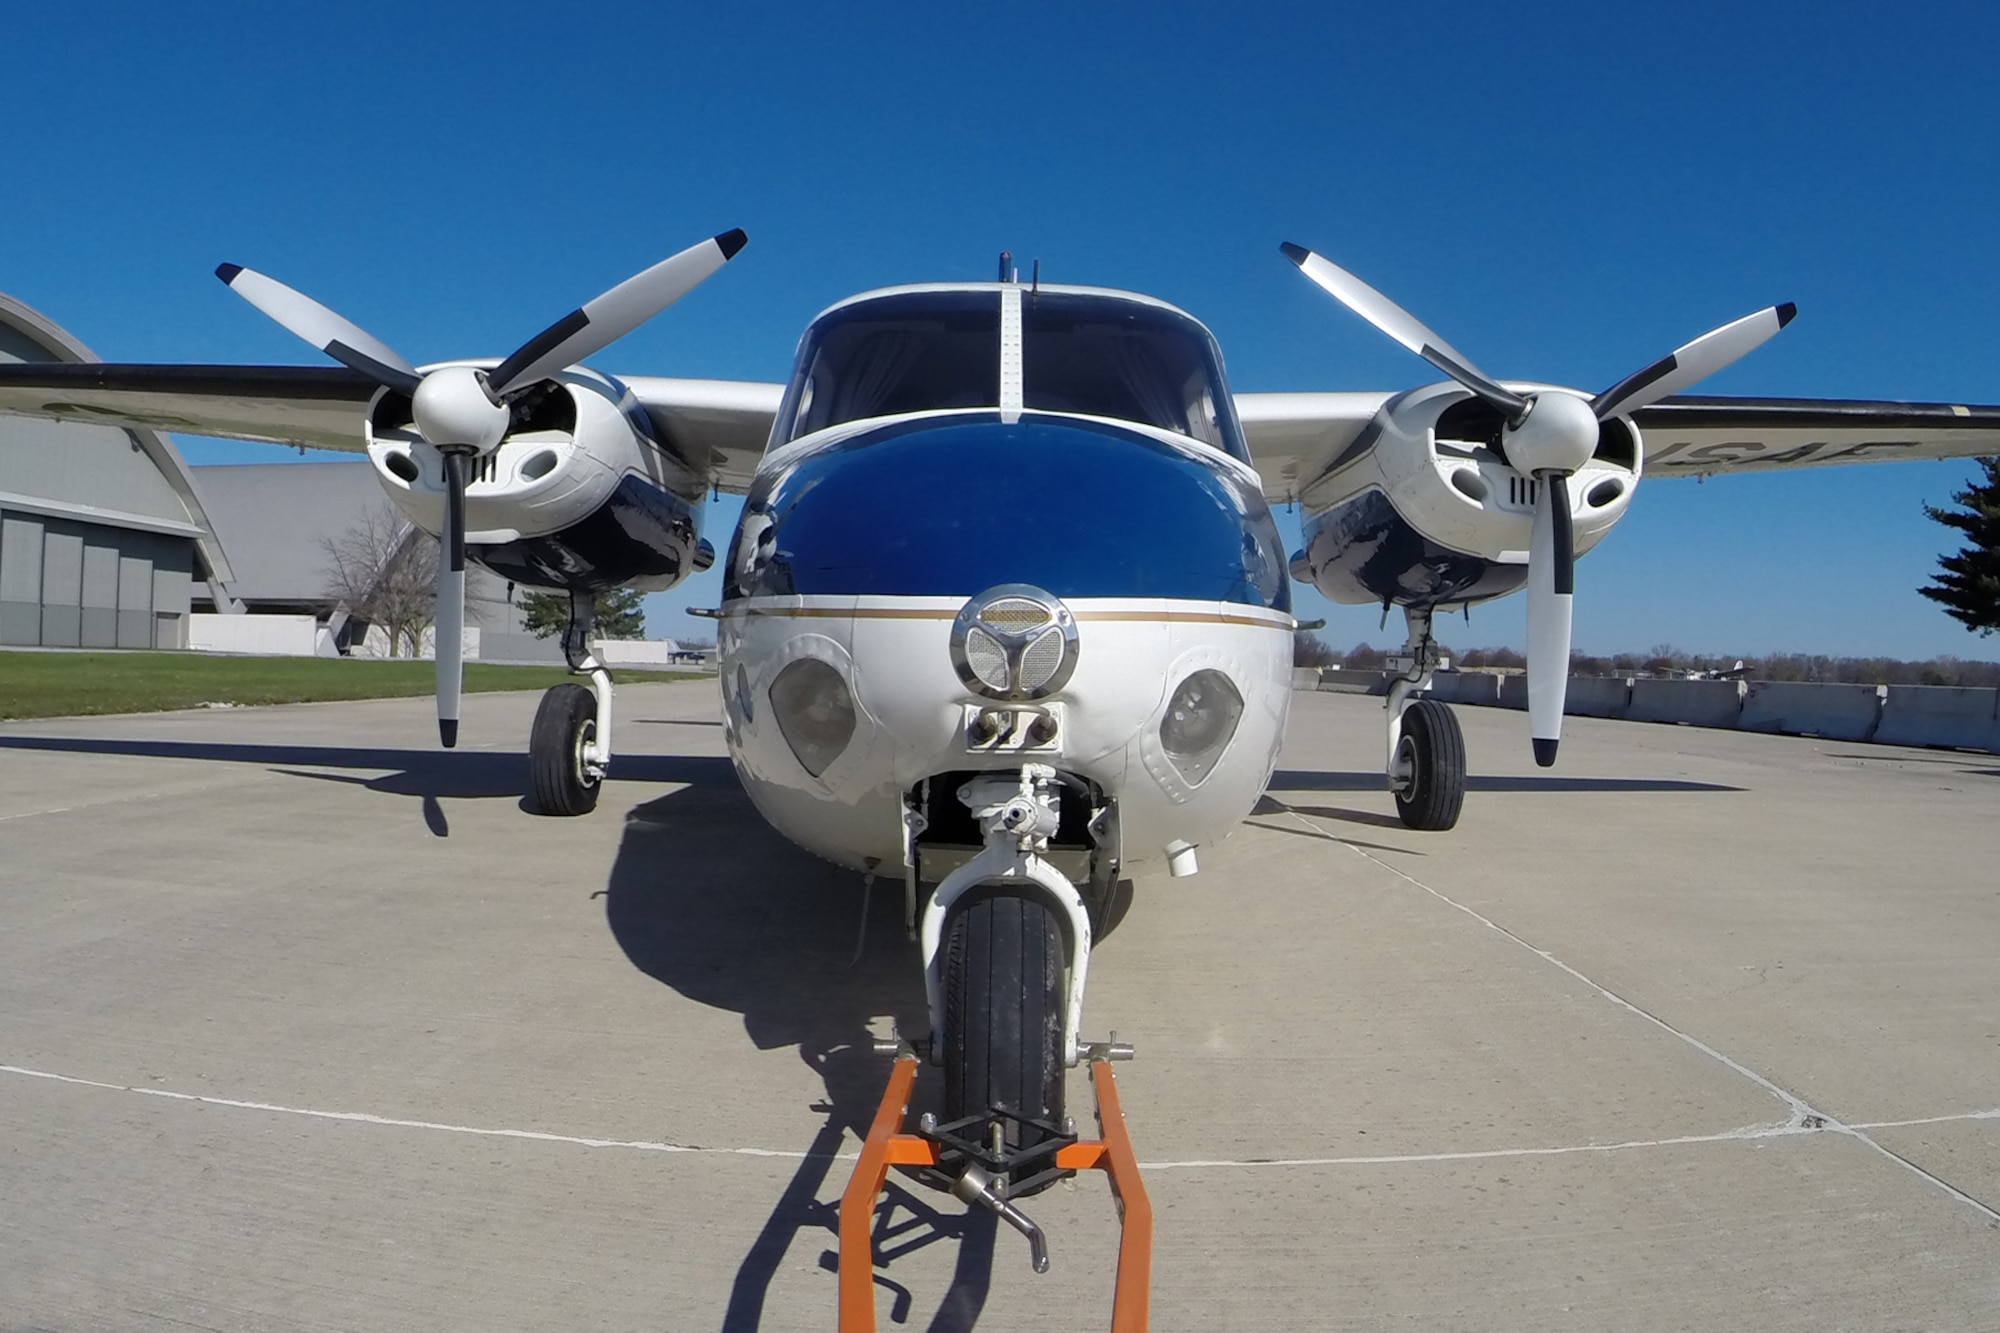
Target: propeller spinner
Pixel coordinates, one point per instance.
(1547, 437)
(463, 412)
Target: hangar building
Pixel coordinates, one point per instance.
(102, 534)
(277, 520)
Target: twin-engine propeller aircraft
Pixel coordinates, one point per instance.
(1006, 610)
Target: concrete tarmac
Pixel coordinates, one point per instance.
(305, 1024)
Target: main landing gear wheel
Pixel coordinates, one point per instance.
(1430, 767)
(564, 724)
(1003, 1012)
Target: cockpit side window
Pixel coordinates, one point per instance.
(916, 352)
(1125, 360)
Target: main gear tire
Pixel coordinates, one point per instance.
(565, 723)
(1430, 762)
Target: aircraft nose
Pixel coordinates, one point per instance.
(954, 507)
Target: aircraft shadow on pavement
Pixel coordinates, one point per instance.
(1302, 780)
(428, 774)
(708, 899)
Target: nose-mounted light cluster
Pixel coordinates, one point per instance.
(1014, 642)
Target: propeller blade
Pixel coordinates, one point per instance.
(340, 338)
(1401, 325)
(1694, 362)
(450, 623)
(1551, 590)
(597, 324)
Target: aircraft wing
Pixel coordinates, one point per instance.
(1696, 436)
(1296, 438)
(718, 426)
(321, 407)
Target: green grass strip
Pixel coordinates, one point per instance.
(79, 684)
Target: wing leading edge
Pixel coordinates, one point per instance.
(1296, 438)
(718, 427)
(321, 407)
(1700, 436)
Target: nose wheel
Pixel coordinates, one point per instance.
(1003, 1017)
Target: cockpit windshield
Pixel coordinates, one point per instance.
(1089, 353)
(1121, 359)
(910, 352)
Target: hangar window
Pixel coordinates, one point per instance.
(1128, 360)
(910, 352)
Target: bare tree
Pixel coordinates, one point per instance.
(386, 571)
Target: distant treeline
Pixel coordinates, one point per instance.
(1667, 660)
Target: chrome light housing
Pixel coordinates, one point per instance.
(815, 712)
(1199, 723)
(1014, 642)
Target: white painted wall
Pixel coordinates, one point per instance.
(266, 636)
(635, 652)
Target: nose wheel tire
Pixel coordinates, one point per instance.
(1430, 767)
(1003, 1012)
(564, 724)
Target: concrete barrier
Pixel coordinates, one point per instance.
(1932, 715)
(1305, 678)
(1940, 715)
(1466, 687)
(1598, 696)
(1355, 682)
(1694, 703)
(1795, 708)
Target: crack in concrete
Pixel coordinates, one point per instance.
(1803, 1118)
(1748, 1133)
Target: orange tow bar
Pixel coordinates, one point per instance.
(886, 1147)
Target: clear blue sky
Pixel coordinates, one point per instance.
(1563, 191)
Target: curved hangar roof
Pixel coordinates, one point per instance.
(118, 477)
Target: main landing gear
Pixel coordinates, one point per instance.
(570, 746)
(1426, 749)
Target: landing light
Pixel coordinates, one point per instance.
(815, 712)
(1014, 642)
(1200, 720)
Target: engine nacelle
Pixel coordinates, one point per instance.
(1429, 511)
(577, 494)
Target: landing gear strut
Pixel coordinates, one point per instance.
(570, 746)
(1426, 761)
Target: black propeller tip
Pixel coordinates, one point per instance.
(731, 242)
(448, 733)
(1545, 753)
(228, 272)
(1298, 254)
(1787, 312)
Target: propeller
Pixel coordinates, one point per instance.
(1547, 437)
(463, 412)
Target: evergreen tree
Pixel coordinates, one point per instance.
(617, 614)
(1969, 588)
